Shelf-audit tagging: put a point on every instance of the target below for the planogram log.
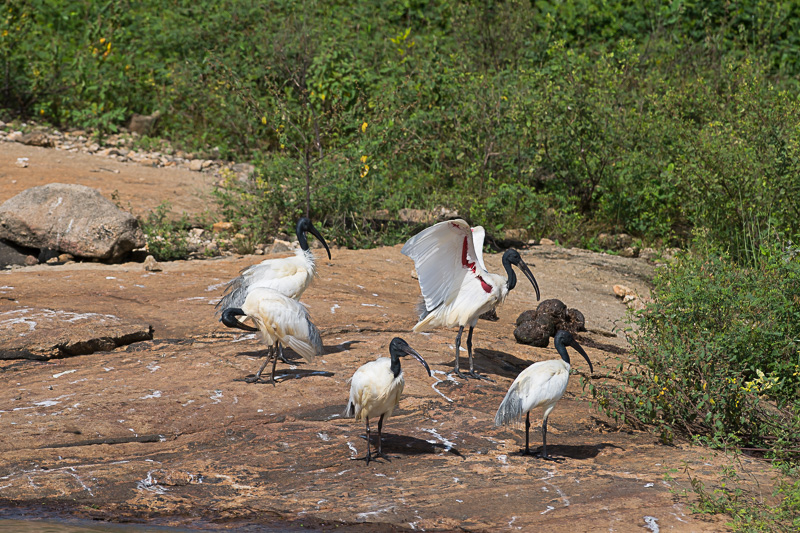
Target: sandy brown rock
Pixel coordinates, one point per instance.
(37, 333)
(69, 218)
(168, 427)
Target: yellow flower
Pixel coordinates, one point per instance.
(102, 40)
(263, 120)
(363, 126)
(363, 159)
(322, 96)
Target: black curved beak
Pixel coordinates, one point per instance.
(229, 318)
(316, 234)
(528, 274)
(581, 351)
(408, 350)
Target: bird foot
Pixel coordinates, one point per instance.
(256, 379)
(479, 376)
(459, 374)
(371, 457)
(538, 454)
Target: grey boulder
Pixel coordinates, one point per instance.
(69, 218)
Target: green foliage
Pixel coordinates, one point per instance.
(166, 238)
(750, 512)
(716, 353)
(651, 118)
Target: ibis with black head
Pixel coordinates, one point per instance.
(540, 385)
(280, 320)
(375, 389)
(456, 287)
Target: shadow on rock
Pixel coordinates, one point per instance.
(343, 347)
(566, 451)
(407, 445)
(499, 363)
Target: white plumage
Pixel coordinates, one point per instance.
(288, 275)
(279, 320)
(376, 387)
(375, 390)
(456, 287)
(540, 385)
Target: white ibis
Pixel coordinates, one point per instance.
(289, 275)
(375, 388)
(456, 287)
(541, 384)
(279, 320)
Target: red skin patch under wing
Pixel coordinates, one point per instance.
(466, 264)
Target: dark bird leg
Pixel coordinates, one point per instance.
(380, 429)
(275, 362)
(544, 443)
(469, 351)
(527, 432)
(456, 371)
(255, 378)
(283, 358)
(367, 457)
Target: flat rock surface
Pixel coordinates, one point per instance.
(35, 333)
(167, 429)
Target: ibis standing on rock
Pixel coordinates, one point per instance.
(289, 275)
(456, 287)
(375, 389)
(279, 320)
(540, 385)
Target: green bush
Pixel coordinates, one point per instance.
(715, 355)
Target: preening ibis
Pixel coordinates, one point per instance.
(289, 275)
(279, 320)
(456, 287)
(375, 388)
(541, 384)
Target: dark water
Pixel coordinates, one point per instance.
(11, 525)
(77, 526)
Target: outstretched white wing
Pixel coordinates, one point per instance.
(443, 254)
(478, 234)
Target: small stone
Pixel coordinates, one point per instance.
(63, 258)
(142, 124)
(220, 227)
(149, 162)
(415, 215)
(648, 254)
(36, 138)
(151, 265)
(196, 165)
(31, 260)
(14, 136)
(414, 274)
(622, 291)
(629, 252)
(206, 164)
(280, 247)
(53, 261)
(518, 234)
(22, 162)
(258, 251)
(196, 233)
(546, 242)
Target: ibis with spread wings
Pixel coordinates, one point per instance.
(456, 287)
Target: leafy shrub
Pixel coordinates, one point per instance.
(166, 238)
(716, 353)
